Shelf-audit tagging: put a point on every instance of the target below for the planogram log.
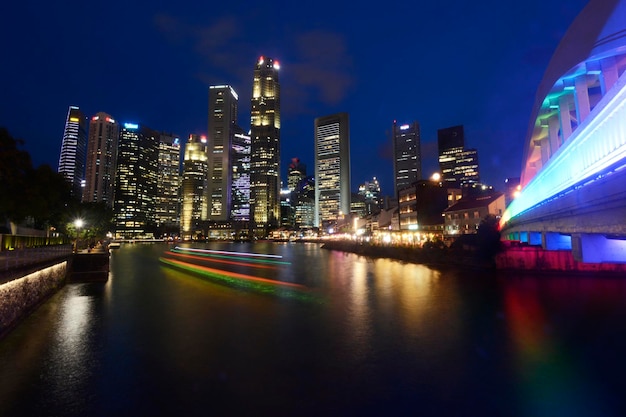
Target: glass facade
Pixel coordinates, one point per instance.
(136, 182)
(332, 167)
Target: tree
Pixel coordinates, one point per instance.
(15, 164)
(488, 237)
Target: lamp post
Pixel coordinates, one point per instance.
(78, 223)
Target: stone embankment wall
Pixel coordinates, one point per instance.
(20, 296)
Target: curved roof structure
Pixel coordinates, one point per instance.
(585, 66)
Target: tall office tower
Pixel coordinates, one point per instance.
(407, 158)
(296, 173)
(136, 182)
(332, 168)
(101, 159)
(265, 147)
(194, 186)
(222, 124)
(240, 194)
(305, 203)
(466, 168)
(451, 142)
(168, 185)
(73, 148)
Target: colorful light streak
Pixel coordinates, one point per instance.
(263, 285)
(217, 259)
(246, 257)
(259, 255)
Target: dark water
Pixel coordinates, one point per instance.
(362, 338)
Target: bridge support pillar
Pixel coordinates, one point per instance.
(556, 241)
(596, 248)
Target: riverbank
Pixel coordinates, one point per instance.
(518, 260)
(435, 256)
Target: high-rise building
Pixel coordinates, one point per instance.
(194, 186)
(370, 195)
(240, 194)
(136, 182)
(168, 184)
(265, 146)
(305, 203)
(332, 168)
(222, 126)
(73, 150)
(407, 158)
(295, 173)
(459, 166)
(101, 159)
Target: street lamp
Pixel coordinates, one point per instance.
(78, 223)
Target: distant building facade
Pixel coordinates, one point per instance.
(101, 164)
(459, 166)
(223, 101)
(240, 182)
(332, 168)
(168, 184)
(265, 146)
(407, 158)
(73, 150)
(465, 215)
(194, 186)
(136, 182)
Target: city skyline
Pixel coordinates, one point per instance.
(478, 67)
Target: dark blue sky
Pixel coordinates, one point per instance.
(441, 63)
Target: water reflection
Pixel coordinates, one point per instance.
(385, 338)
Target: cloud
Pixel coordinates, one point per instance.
(323, 65)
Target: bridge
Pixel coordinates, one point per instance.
(573, 180)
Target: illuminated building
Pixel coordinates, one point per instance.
(332, 168)
(459, 166)
(465, 215)
(168, 184)
(136, 182)
(73, 150)
(305, 203)
(407, 159)
(222, 126)
(194, 186)
(240, 194)
(295, 173)
(265, 146)
(102, 153)
(369, 193)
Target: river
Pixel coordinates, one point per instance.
(344, 336)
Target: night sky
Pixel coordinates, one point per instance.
(441, 63)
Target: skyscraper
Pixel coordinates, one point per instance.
(459, 166)
(168, 184)
(73, 150)
(240, 194)
(194, 186)
(101, 159)
(222, 127)
(136, 182)
(407, 159)
(265, 146)
(332, 168)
